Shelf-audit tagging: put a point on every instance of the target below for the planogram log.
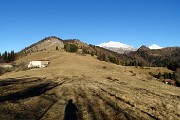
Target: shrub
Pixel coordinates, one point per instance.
(85, 51)
(22, 66)
(161, 78)
(166, 75)
(178, 82)
(57, 48)
(150, 73)
(134, 74)
(2, 70)
(110, 78)
(104, 67)
(131, 71)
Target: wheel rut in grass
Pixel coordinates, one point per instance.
(95, 99)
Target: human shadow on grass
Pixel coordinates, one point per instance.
(32, 91)
(8, 82)
(11, 81)
(71, 111)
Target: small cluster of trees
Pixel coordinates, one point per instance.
(108, 58)
(133, 63)
(71, 48)
(152, 62)
(7, 57)
(140, 58)
(114, 59)
(172, 65)
(174, 76)
(100, 55)
(166, 75)
(177, 72)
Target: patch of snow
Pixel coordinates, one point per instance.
(117, 47)
(113, 44)
(154, 46)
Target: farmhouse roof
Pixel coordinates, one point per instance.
(169, 80)
(40, 60)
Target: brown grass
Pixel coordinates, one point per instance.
(111, 93)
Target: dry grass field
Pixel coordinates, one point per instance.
(100, 91)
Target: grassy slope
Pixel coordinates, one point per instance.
(100, 90)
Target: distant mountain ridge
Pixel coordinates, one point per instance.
(164, 57)
(54, 43)
(144, 56)
(123, 48)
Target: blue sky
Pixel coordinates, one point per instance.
(133, 22)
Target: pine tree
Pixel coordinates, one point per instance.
(166, 75)
(4, 56)
(12, 55)
(7, 57)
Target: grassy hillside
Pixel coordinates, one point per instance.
(71, 45)
(100, 90)
(167, 57)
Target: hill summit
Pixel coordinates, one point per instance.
(49, 43)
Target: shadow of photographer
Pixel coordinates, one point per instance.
(71, 111)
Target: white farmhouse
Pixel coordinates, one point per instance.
(38, 63)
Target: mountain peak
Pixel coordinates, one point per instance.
(154, 46)
(143, 47)
(48, 43)
(115, 45)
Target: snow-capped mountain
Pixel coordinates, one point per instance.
(154, 46)
(117, 47)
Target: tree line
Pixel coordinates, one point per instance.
(7, 57)
(140, 58)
